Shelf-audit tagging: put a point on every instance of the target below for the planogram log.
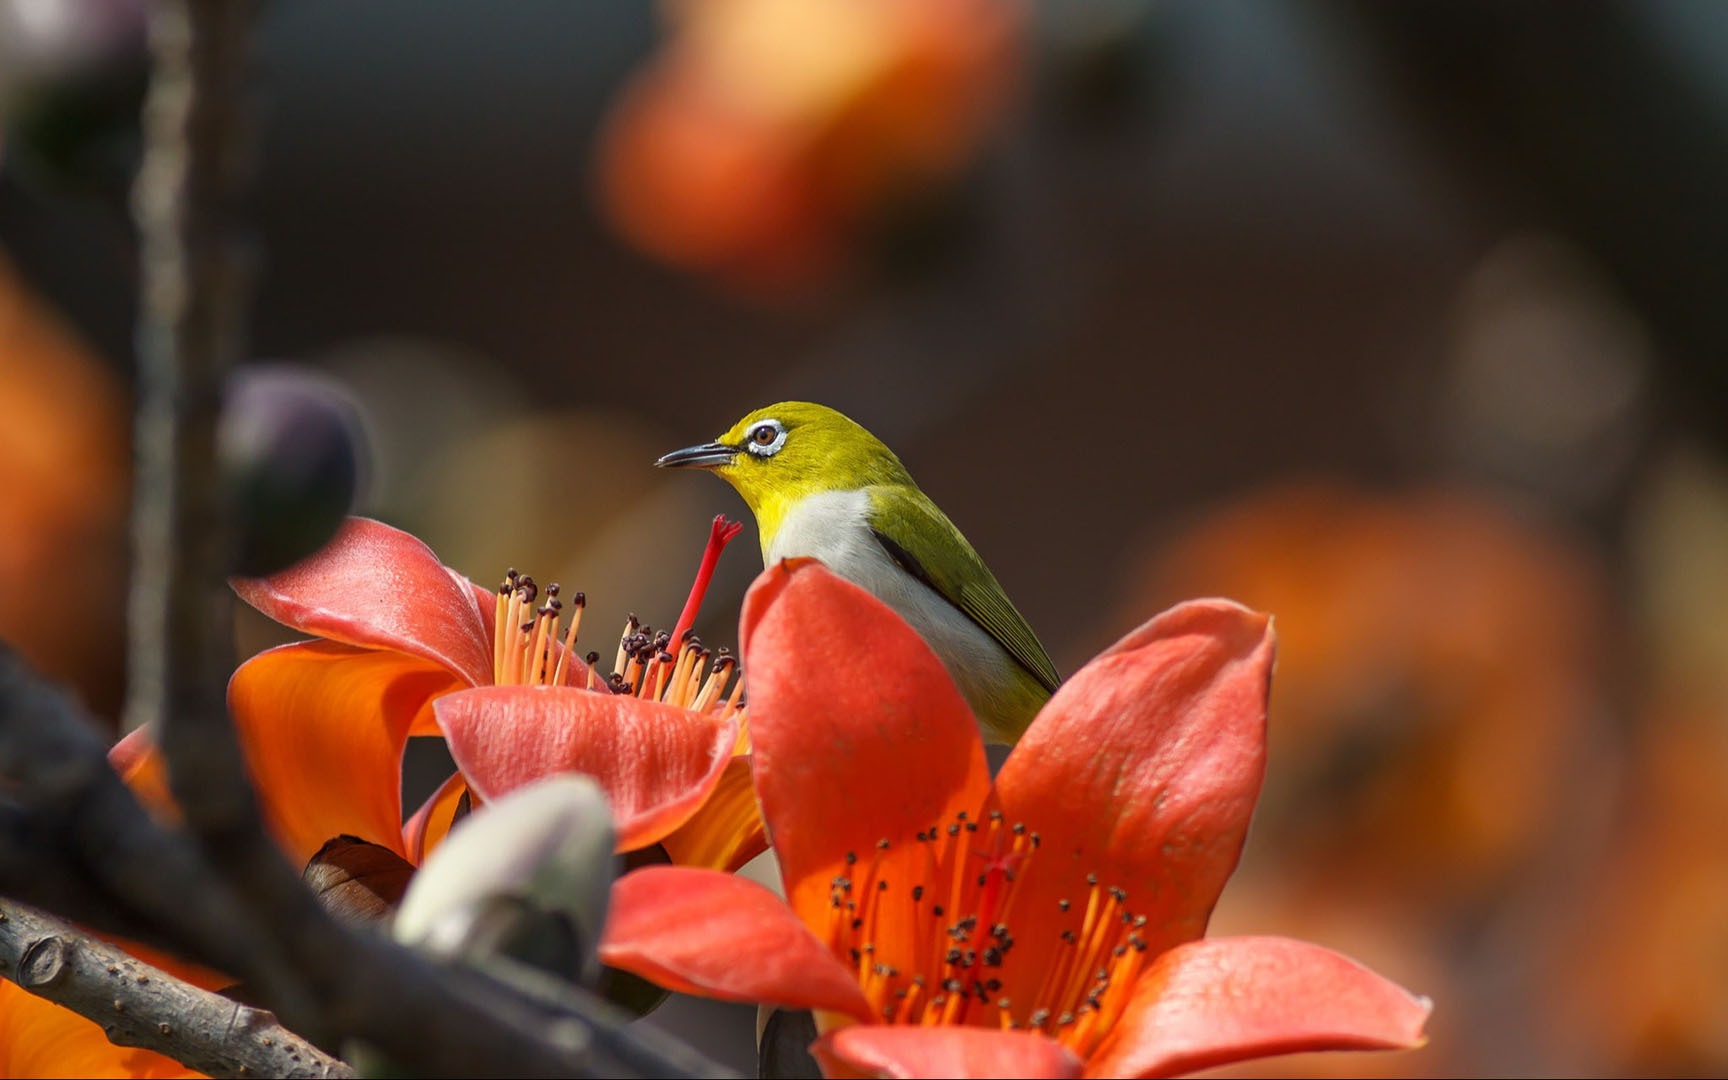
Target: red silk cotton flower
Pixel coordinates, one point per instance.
(1048, 924)
(406, 646)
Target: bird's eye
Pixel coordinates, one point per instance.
(766, 438)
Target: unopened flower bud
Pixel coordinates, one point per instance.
(292, 449)
(526, 877)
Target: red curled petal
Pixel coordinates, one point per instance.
(657, 763)
(1230, 999)
(859, 734)
(380, 588)
(323, 727)
(905, 1051)
(712, 934)
(1143, 769)
(422, 833)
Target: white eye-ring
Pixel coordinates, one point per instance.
(765, 438)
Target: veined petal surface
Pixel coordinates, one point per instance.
(657, 763)
(935, 1052)
(1211, 1002)
(1143, 769)
(704, 932)
(859, 733)
(323, 726)
(380, 588)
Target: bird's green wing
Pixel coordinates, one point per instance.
(912, 529)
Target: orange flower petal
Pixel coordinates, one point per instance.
(704, 932)
(727, 831)
(144, 770)
(431, 823)
(657, 763)
(1229, 999)
(323, 726)
(906, 1051)
(40, 1038)
(1143, 769)
(381, 588)
(860, 735)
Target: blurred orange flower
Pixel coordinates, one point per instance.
(64, 455)
(768, 131)
(1439, 734)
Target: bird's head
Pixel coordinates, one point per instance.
(778, 455)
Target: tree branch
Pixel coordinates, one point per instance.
(267, 927)
(139, 1005)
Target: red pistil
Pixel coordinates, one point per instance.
(719, 535)
(674, 668)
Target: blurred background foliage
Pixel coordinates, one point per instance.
(1402, 322)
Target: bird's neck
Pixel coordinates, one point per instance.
(820, 524)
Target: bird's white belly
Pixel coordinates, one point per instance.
(835, 528)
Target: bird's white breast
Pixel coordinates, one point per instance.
(835, 528)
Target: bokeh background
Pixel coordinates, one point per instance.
(1403, 322)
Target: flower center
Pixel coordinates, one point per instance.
(673, 667)
(935, 950)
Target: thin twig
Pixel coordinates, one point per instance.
(139, 1005)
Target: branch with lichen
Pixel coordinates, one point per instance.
(139, 1005)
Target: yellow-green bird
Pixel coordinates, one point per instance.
(820, 485)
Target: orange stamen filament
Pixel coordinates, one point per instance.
(934, 952)
(527, 649)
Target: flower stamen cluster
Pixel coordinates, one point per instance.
(936, 953)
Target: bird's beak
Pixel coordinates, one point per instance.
(707, 456)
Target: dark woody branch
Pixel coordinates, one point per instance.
(138, 1005)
